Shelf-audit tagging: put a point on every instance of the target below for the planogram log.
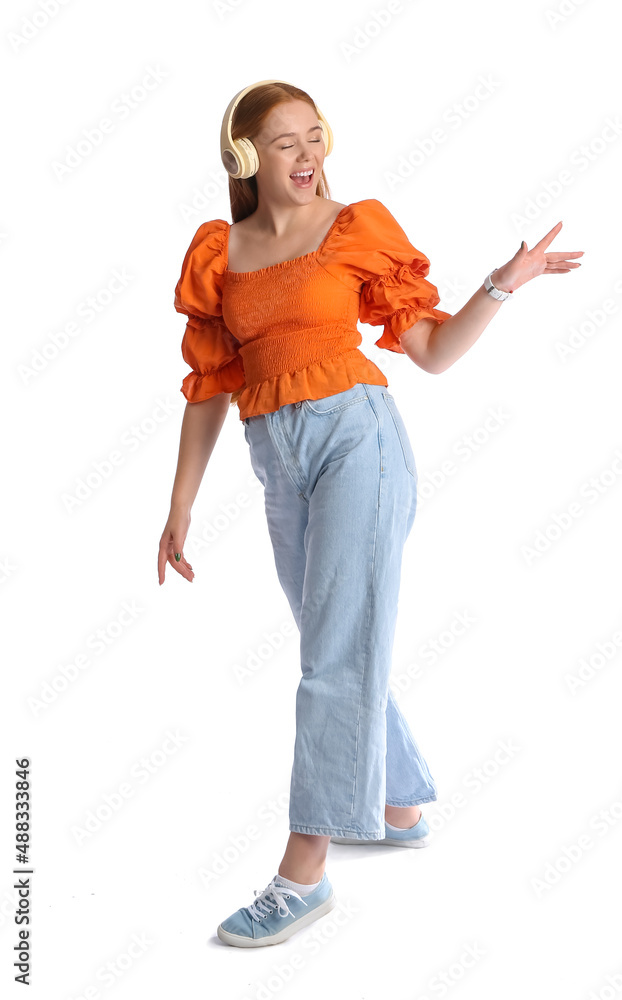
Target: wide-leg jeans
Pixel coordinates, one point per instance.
(340, 493)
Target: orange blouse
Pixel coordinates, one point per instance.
(288, 332)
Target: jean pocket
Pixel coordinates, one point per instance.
(337, 401)
(402, 433)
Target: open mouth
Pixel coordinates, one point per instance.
(303, 182)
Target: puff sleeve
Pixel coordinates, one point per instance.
(399, 294)
(371, 252)
(207, 346)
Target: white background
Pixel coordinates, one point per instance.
(524, 868)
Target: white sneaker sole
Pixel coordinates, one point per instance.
(420, 842)
(243, 942)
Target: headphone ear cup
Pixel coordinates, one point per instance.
(248, 158)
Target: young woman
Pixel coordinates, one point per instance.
(272, 303)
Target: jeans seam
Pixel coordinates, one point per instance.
(273, 438)
(406, 802)
(334, 409)
(337, 831)
(417, 752)
(371, 600)
(388, 397)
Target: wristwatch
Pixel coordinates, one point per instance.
(496, 293)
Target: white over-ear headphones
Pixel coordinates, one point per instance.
(239, 156)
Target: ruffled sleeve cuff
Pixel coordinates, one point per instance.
(398, 299)
(211, 351)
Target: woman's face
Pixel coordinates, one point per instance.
(280, 155)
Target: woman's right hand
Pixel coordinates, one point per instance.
(172, 541)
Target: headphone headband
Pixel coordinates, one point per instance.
(239, 156)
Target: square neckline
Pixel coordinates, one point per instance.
(281, 263)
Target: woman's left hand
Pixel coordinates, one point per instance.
(527, 264)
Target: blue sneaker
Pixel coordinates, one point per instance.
(275, 914)
(415, 836)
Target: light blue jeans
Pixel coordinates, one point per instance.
(340, 491)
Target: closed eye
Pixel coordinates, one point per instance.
(310, 140)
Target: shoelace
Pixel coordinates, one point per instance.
(259, 908)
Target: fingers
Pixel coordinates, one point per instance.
(563, 255)
(560, 263)
(161, 564)
(550, 236)
(182, 567)
(166, 554)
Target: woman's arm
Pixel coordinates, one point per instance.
(436, 346)
(200, 427)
